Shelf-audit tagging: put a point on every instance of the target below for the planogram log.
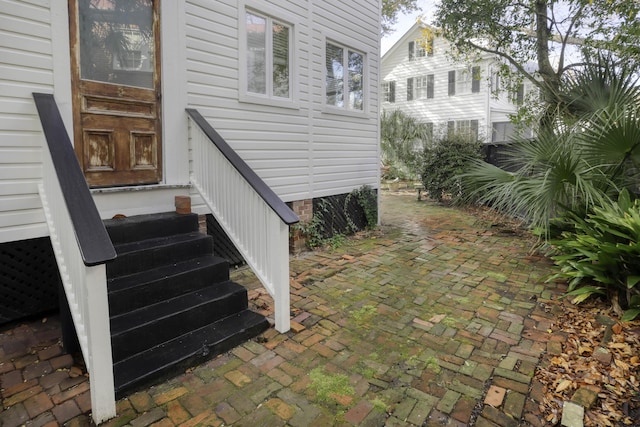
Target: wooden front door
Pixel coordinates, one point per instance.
(116, 90)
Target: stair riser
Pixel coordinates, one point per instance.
(149, 335)
(148, 227)
(149, 258)
(165, 288)
(183, 353)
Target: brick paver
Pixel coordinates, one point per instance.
(438, 318)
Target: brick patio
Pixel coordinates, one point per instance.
(437, 319)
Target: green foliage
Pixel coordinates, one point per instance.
(541, 33)
(565, 179)
(391, 9)
(367, 199)
(402, 139)
(329, 386)
(592, 152)
(321, 229)
(600, 256)
(444, 161)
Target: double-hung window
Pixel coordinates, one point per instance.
(268, 56)
(464, 81)
(421, 87)
(463, 128)
(389, 91)
(344, 85)
(416, 50)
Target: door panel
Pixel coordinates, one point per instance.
(116, 74)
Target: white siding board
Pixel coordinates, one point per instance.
(18, 188)
(20, 202)
(10, 24)
(27, 67)
(36, 10)
(31, 59)
(27, 43)
(20, 171)
(22, 74)
(17, 156)
(21, 217)
(22, 231)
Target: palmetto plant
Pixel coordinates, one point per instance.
(402, 139)
(581, 174)
(585, 160)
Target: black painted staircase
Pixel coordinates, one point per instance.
(171, 302)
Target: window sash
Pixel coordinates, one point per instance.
(389, 91)
(344, 78)
(268, 56)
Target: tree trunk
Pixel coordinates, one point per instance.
(551, 81)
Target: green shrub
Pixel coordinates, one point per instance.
(600, 256)
(402, 138)
(444, 161)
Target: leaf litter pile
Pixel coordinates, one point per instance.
(598, 366)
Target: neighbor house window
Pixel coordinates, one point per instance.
(268, 56)
(464, 81)
(345, 77)
(464, 128)
(420, 87)
(416, 50)
(389, 91)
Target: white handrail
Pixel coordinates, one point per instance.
(255, 229)
(86, 292)
(81, 247)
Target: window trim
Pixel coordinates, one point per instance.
(280, 16)
(356, 47)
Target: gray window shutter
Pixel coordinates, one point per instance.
(474, 129)
(475, 79)
(430, 86)
(392, 91)
(430, 46)
(520, 95)
(451, 128)
(409, 89)
(452, 83)
(411, 50)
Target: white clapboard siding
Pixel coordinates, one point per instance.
(26, 64)
(299, 150)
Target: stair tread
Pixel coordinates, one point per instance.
(122, 283)
(156, 242)
(124, 322)
(140, 227)
(202, 343)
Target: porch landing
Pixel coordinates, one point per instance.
(435, 320)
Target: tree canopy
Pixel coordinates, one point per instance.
(392, 8)
(538, 39)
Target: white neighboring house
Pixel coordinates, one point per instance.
(418, 78)
(291, 85)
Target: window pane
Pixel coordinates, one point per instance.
(335, 76)
(356, 91)
(256, 53)
(280, 60)
(117, 42)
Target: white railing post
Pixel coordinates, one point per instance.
(282, 303)
(259, 233)
(101, 381)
